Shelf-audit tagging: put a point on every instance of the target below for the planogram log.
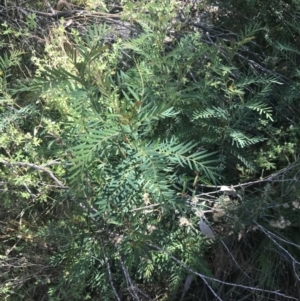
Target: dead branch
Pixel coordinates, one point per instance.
(36, 167)
(205, 278)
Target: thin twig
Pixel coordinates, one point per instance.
(145, 207)
(130, 285)
(281, 247)
(269, 178)
(233, 258)
(203, 277)
(108, 269)
(37, 167)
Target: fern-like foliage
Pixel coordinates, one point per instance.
(118, 135)
(129, 130)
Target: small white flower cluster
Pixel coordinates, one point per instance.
(146, 198)
(194, 200)
(151, 228)
(281, 223)
(118, 239)
(296, 205)
(183, 221)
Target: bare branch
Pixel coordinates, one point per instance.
(108, 269)
(269, 234)
(233, 258)
(37, 167)
(128, 280)
(269, 178)
(205, 278)
(145, 207)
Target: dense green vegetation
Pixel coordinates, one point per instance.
(149, 150)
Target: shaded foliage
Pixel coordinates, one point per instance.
(123, 141)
